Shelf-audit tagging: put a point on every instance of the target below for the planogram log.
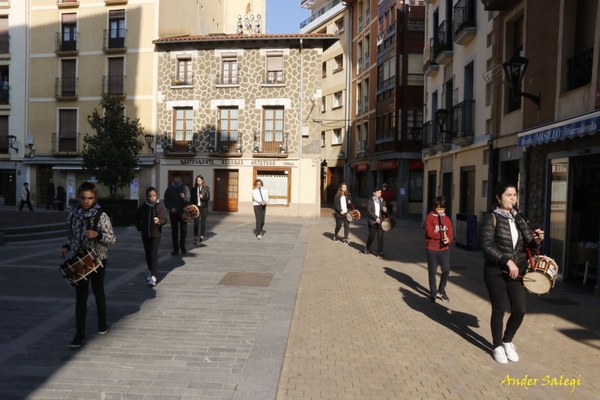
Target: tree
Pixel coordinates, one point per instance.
(111, 155)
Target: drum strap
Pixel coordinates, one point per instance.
(528, 250)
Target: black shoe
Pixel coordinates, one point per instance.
(77, 341)
(345, 241)
(103, 329)
(432, 299)
(366, 251)
(443, 296)
(183, 251)
(380, 255)
(174, 252)
(335, 239)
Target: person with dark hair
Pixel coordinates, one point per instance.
(342, 203)
(504, 236)
(89, 228)
(50, 194)
(25, 197)
(151, 217)
(200, 197)
(61, 197)
(260, 198)
(177, 196)
(376, 207)
(439, 233)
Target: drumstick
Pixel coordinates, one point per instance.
(520, 276)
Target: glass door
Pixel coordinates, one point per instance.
(559, 179)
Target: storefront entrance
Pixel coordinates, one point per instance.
(226, 190)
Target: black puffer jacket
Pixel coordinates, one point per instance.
(496, 242)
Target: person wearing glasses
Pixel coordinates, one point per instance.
(439, 233)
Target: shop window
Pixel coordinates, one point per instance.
(277, 183)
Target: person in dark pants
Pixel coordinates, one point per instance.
(504, 235)
(177, 196)
(376, 208)
(260, 198)
(342, 203)
(151, 217)
(25, 197)
(50, 195)
(61, 197)
(439, 233)
(200, 197)
(89, 228)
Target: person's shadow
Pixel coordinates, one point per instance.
(456, 321)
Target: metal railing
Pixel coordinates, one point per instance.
(463, 119)
(113, 85)
(274, 78)
(66, 87)
(4, 93)
(114, 39)
(464, 15)
(443, 37)
(270, 142)
(187, 80)
(65, 142)
(579, 69)
(67, 45)
(4, 44)
(319, 12)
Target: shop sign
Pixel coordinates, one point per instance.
(242, 162)
(580, 126)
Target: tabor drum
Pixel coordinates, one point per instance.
(190, 212)
(353, 215)
(388, 224)
(80, 266)
(540, 278)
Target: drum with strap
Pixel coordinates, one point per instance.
(353, 215)
(541, 276)
(80, 266)
(388, 224)
(190, 212)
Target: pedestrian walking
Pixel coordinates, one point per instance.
(439, 233)
(504, 237)
(260, 198)
(50, 194)
(25, 197)
(151, 217)
(342, 203)
(376, 207)
(177, 196)
(200, 197)
(89, 228)
(61, 197)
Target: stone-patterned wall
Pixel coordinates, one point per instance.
(206, 65)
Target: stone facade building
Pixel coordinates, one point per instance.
(235, 108)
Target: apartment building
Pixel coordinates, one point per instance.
(81, 50)
(13, 90)
(235, 108)
(387, 43)
(332, 17)
(458, 110)
(545, 124)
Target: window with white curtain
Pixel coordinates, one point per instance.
(277, 185)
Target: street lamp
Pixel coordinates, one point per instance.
(149, 139)
(11, 143)
(515, 69)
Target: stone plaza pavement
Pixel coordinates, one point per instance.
(292, 316)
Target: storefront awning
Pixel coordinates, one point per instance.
(587, 124)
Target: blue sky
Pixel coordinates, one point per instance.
(284, 16)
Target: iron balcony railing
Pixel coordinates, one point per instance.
(65, 142)
(464, 15)
(274, 78)
(113, 85)
(319, 12)
(463, 120)
(579, 69)
(114, 39)
(270, 142)
(4, 44)
(443, 37)
(66, 43)
(66, 87)
(179, 80)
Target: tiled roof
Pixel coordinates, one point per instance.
(218, 37)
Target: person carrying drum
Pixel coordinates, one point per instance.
(438, 235)
(342, 204)
(177, 196)
(89, 228)
(504, 236)
(376, 207)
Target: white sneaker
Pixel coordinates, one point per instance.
(259, 237)
(152, 281)
(500, 355)
(511, 351)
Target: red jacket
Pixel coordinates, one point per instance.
(433, 234)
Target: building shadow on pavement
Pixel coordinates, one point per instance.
(416, 297)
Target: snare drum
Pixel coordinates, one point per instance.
(388, 224)
(353, 215)
(80, 266)
(541, 277)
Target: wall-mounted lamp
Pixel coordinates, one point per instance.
(149, 140)
(515, 69)
(11, 143)
(30, 146)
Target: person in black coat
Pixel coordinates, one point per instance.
(200, 196)
(151, 217)
(376, 207)
(177, 196)
(342, 204)
(504, 236)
